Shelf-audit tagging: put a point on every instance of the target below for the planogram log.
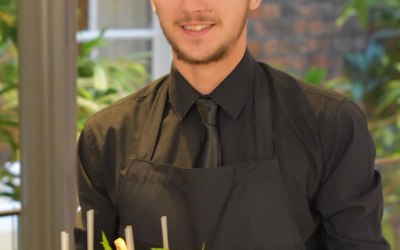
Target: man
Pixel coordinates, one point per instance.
(236, 154)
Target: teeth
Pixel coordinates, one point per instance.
(196, 27)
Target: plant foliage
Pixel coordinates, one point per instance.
(104, 241)
(373, 80)
(8, 100)
(100, 82)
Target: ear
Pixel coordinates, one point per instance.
(153, 5)
(253, 4)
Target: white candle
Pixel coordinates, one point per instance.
(64, 240)
(129, 238)
(90, 229)
(164, 229)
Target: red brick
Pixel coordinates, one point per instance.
(300, 27)
(255, 47)
(308, 46)
(320, 60)
(276, 46)
(271, 47)
(256, 14)
(259, 29)
(297, 63)
(316, 27)
(325, 44)
(306, 10)
(271, 11)
(280, 62)
(297, 36)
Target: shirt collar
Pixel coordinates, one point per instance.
(231, 94)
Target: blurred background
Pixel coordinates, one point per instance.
(350, 46)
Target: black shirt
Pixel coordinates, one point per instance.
(182, 129)
(322, 143)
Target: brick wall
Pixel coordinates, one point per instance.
(298, 34)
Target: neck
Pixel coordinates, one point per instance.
(206, 77)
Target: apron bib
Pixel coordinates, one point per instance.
(237, 207)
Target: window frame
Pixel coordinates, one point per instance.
(161, 56)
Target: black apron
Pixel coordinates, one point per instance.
(237, 207)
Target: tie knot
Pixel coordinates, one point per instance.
(207, 109)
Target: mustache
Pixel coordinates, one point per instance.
(200, 17)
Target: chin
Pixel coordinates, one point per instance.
(200, 58)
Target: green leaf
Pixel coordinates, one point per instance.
(100, 78)
(14, 35)
(85, 68)
(104, 241)
(4, 133)
(358, 8)
(90, 106)
(315, 76)
(87, 47)
(391, 96)
(346, 15)
(85, 93)
(362, 7)
(5, 2)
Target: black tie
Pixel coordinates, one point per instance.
(210, 157)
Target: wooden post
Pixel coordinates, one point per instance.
(47, 51)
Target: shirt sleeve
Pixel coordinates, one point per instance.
(350, 196)
(93, 189)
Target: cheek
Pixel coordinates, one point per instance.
(165, 13)
(235, 20)
(164, 17)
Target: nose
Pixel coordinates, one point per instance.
(194, 5)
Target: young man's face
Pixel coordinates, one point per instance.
(204, 31)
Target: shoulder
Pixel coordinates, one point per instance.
(302, 98)
(325, 121)
(310, 109)
(288, 84)
(131, 108)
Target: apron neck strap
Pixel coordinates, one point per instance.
(151, 128)
(263, 117)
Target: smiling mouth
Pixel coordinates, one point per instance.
(197, 27)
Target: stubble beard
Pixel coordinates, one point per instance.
(220, 52)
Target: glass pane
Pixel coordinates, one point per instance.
(8, 224)
(124, 14)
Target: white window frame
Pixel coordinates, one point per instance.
(161, 52)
